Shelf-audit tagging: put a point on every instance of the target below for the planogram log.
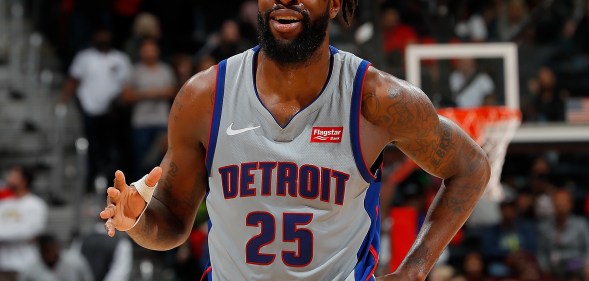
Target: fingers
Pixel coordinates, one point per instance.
(120, 183)
(110, 228)
(153, 177)
(108, 212)
(113, 194)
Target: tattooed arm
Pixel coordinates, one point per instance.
(171, 213)
(395, 111)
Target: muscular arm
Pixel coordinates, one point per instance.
(398, 112)
(169, 218)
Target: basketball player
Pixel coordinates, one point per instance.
(285, 140)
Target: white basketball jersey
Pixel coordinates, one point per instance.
(296, 202)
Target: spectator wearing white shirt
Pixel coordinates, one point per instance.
(110, 259)
(469, 86)
(97, 76)
(22, 218)
(56, 265)
(470, 26)
(151, 88)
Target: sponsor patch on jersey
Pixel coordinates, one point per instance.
(327, 134)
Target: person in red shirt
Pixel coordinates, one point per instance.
(396, 34)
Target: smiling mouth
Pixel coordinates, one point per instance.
(286, 20)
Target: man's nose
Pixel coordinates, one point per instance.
(287, 2)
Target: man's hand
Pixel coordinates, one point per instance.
(124, 204)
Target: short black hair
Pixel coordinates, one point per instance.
(348, 9)
(27, 174)
(47, 239)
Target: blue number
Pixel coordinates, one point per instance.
(303, 236)
(291, 233)
(267, 224)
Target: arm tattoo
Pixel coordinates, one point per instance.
(419, 257)
(444, 147)
(371, 108)
(166, 183)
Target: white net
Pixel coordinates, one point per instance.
(492, 128)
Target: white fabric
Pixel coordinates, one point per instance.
(101, 76)
(146, 193)
(21, 220)
(153, 112)
(122, 262)
(474, 94)
(70, 267)
(474, 28)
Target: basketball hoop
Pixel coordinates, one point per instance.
(492, 127)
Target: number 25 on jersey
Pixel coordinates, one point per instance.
(292, 233)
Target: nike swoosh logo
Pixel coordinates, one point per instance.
(232, 132)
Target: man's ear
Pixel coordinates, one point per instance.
(334, 8)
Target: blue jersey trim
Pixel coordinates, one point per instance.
(216, 115)
(355, 122)
(368, 253)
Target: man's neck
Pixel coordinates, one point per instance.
(150, 64)
(561, 221)
(294, 81)
(21, 193)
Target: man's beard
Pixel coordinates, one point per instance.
(297, 51)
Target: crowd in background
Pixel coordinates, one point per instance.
(126, 59)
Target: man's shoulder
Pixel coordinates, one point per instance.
(199, 90)
(84, 53)
(34, 200)
(578, 220)
(120, 55)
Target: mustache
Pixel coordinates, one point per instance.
(295, 8)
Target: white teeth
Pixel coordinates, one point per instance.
(286, 18)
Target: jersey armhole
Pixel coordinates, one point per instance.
(216, 115)
(358, 90)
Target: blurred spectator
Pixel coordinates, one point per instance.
(56, 265)
(248, 21)
(524, 266)
(458, 278)
(470, 26)
(509, 237)
(110, 259)
(525, 204)
(5, 192)
(229, 42)
(205, 63)
(470, 86)
(97, 76)
(441, 273)
(22, 218)
(541, 186)
(549, 99)
(124, 11)
(474, 267)
(183, 68)
(396, 35)
(184, 262)
(513, 17)
(150, 89)
(145, 26)
(563, 240)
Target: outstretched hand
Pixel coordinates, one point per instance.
(124, 204)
